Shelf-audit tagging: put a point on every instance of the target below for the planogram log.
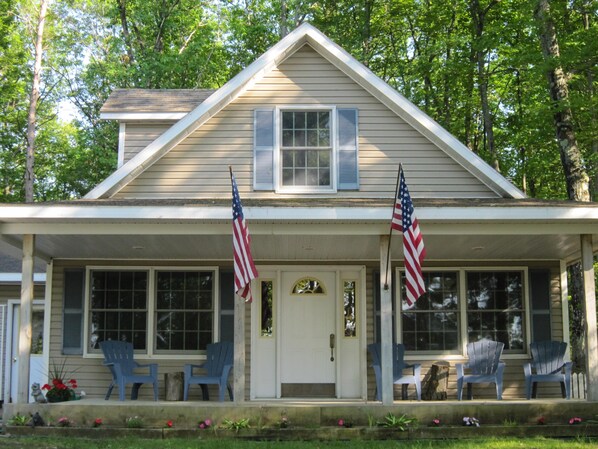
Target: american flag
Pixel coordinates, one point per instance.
(405, 221)
(245, 269)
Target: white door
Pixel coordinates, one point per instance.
(308, 334)
(38, 369)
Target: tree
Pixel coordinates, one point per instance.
(34, 98)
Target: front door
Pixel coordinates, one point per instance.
(308, 334)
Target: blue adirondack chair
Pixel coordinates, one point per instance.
(118, 357)
(398, 368)
(548, 365)
(217, 368)
(485, 366)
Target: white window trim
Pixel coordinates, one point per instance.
(150, 353)
(462, 310)
(278, 187)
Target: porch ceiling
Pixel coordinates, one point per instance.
(269, 248)
(291, 230)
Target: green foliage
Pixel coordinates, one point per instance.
(134, 422)
(19, 420)
(235, 425)
(401, 423)
(426, 50)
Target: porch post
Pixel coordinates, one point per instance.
(386, 322)
(239, 360)
(589, 288)
(25, 319)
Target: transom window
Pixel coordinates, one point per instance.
(306, 149)
(308, 286)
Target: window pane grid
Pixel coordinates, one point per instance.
(118, 307)
(306, 148)
(432, 322)
(184, 310)
(495, 308)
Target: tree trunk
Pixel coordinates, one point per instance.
(32, 115)
(479, 21)
(577, 179)
(122, 10)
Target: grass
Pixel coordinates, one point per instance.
(134, 443)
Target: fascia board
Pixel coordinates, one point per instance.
(498, 214)
(131, 116)
(413, 115)
(189, 123)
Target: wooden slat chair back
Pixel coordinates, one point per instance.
(218, 365)
(548, 365)
(119, 358)
(398, 370)
(485, 367)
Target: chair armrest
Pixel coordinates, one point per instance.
(189, 367)
(500, 370)
(416, 367)
(460, 367)
(568, 366)
(527, 369)
(153, 368)
(226, 371)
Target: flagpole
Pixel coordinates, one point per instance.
(390, 232)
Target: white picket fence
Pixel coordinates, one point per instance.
(578, 386)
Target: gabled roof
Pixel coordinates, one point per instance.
(152, 104)
(306, 34)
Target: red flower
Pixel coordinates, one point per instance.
(46, 387)
(169, 423)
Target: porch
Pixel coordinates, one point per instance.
(314, 420)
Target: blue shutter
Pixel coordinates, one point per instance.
(263, 149)
(72, 311)
(348, 168)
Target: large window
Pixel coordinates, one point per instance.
(159, 311)
(306, 149)
(118, 307)
(184, 310)
(491, 301)
(432, 322)
(495, 307)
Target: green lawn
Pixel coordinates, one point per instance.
(129, 443)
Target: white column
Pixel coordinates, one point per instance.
(25, 319)
(239, 361)
(386, 322)
(589, 288)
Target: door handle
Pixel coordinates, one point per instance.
(332, 344)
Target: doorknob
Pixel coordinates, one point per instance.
(332, 344)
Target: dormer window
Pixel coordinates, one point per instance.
(306, 149)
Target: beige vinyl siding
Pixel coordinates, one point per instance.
(514, 387)
(13, 291)
(140, 135)
(198, 166)
(91, 376)
(94, 379)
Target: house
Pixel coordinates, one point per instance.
(315, 140)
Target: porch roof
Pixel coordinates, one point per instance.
(300, 229)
